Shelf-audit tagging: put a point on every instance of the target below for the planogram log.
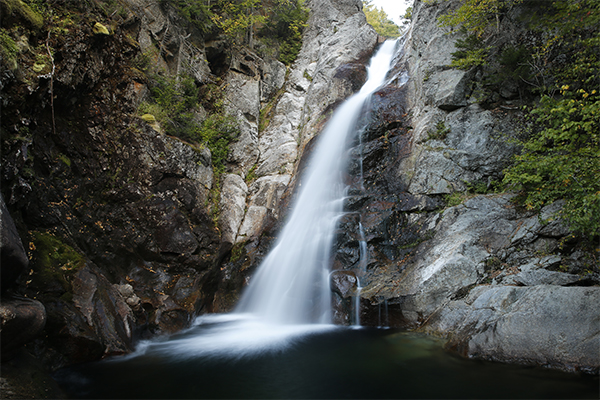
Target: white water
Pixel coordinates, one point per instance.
(289, 296)
(291, 286)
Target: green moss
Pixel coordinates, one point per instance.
(8, 50)
(440, 133)
(100, 29)
(22, 10)
(454, 199)
(236, 252)
(53, 260)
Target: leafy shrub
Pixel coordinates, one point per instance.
(286, 24)
(173, 101)
(471, 53)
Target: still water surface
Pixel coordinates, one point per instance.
(310, 362)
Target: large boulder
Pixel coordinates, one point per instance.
(542, 325)
(21, 320)
(13, 256)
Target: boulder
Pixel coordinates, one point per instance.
(13, 258)
(21, 320)
(546, 325)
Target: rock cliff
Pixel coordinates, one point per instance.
(116, 233)
(126, 232)
(483, 273)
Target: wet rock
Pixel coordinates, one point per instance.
(344, 283)
(348, 79)
(21, 320)
(13, 257)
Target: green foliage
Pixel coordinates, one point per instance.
(561, 158)
(380, 21)
(476, 16)
(471, 53)
(251, 175)
(173, 99)
(218, 131)
(8, 50)
(237, 17)
(196, 12)
(440, 133)
(173, 103)
(286, 24)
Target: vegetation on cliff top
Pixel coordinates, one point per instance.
(278, 24)
(561, 69)
(379, 20)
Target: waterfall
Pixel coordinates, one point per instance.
(291, 286)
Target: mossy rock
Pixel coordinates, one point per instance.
(9, 51)
(53, 263)
(151, 120)
(100, 29)
(22, 11)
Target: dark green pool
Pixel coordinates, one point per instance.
(314, 363)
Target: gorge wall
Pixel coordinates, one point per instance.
(110, 228)
(115, 236)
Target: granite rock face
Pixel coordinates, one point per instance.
(483, 273)
(541, 325)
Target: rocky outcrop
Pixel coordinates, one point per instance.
(482, 273)
(14, 260)
(113, 213)
(21, 320)
(549, 325)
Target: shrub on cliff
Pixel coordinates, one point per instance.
(561, 155)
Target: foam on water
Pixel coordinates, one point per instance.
(229, 336)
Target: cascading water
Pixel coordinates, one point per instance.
(291, 285)
(286, 300)
(289, 296)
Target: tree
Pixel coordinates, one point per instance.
(237, 18)
(476, 15)
(561, 158)
(379, 20)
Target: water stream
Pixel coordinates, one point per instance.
(291, 286)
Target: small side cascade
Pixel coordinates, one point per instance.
(383, 321)
(363, 251)
(356, 304)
